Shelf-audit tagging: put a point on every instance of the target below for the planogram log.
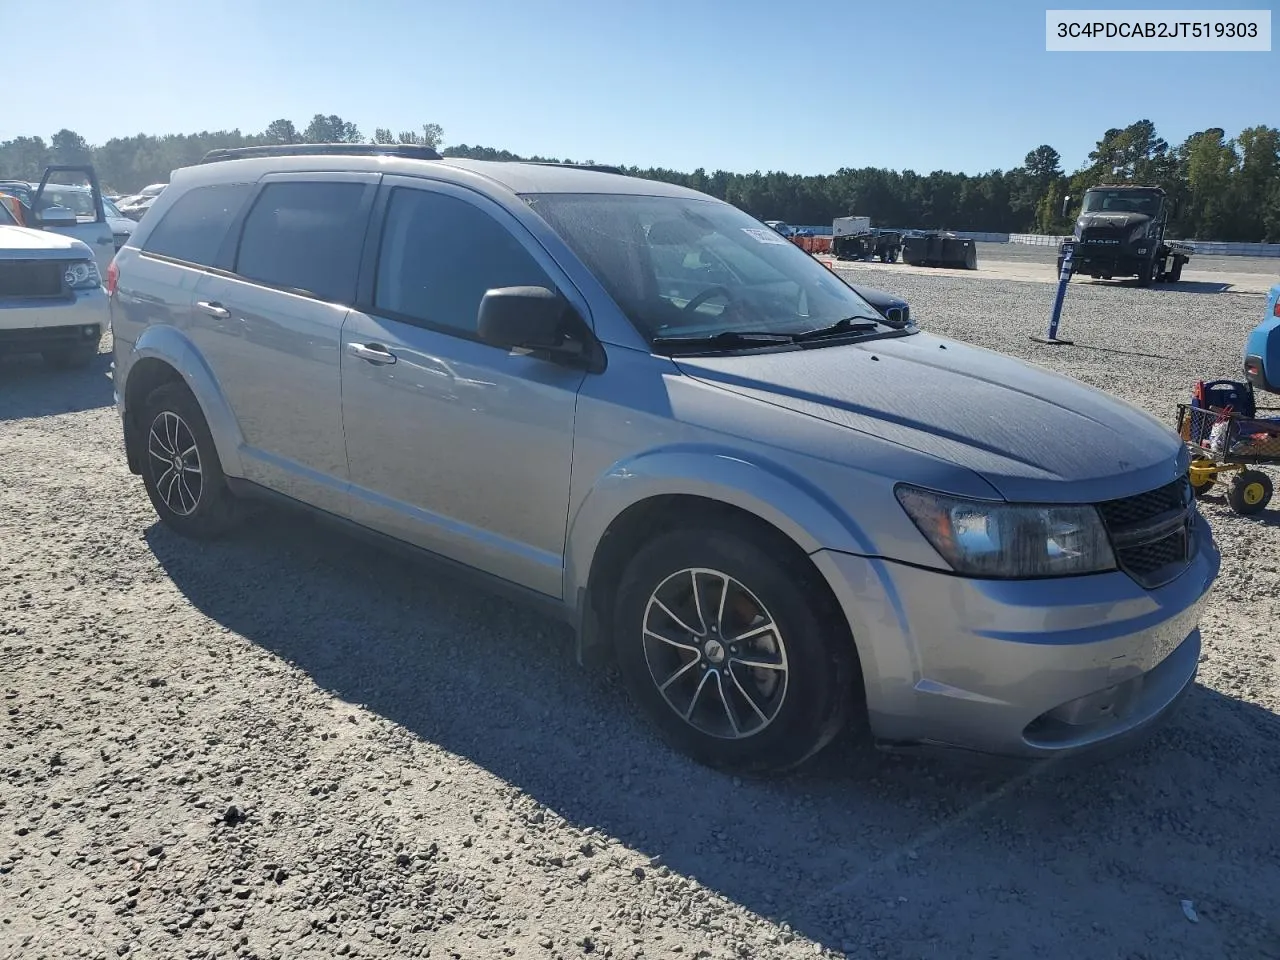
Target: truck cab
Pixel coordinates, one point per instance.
(1121, 232)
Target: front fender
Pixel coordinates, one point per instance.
(761, 487)
(172, 346)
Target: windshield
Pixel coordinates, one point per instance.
(682, 267)
(1122, 201)
(77, 199)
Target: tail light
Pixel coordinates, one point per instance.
(1275, 312)
(113, 278)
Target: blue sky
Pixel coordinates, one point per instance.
(744, 85)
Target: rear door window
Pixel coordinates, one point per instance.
(192, 230)
(305, 236)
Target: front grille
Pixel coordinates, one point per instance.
(1151, 532)
(32, 278)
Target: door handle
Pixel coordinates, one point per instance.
(372, 352)
(213, 309)
(110, 239)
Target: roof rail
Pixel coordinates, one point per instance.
(411, 151)
(598, 167)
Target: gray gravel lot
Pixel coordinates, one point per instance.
(290, 744)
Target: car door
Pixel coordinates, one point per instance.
(75, 186)
(270, 327)
(454, 445)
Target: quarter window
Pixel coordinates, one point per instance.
(306, 237)
(441, 254)
(194, 227)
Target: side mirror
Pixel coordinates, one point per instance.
(1066, 203)
(56, 217)
(538, 320)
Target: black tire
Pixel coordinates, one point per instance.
(1175, 271)
(1146, 274)
(1250, 492)
(71, 358)
(800, 703)
(215, 509)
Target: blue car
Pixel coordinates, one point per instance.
(1262, 348)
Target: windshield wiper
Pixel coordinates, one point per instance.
(729, 339)
(847, 325)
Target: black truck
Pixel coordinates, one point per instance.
(1121, 232)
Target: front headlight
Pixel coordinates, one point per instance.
(998, 540)
(82, 275)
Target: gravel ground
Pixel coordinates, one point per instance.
(289, 744)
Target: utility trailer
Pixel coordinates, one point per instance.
(1122, 232)
(852, 238)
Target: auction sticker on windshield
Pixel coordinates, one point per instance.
(764, 235)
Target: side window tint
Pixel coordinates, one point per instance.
(305, 236)
(194, 227)
(440, 254)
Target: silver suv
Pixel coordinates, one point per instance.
(782, 514)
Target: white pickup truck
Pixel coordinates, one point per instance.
(52, 301)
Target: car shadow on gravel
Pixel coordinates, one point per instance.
(30, 388)
(1182, 286)
(861, 852)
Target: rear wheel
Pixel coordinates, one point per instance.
(1175, 271)
(737, 658)
(180, 468)
(1250, 492)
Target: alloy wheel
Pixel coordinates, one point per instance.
(715, 653)
(175, 463)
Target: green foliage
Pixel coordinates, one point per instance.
(1227, 189)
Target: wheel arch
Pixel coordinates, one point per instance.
(638, 499)
(165, 355)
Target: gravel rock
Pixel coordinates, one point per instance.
(349, 755)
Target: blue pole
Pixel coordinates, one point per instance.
(1064, 277)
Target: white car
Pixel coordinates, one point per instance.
(71, 209)
(51, 296)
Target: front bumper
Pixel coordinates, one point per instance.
(31, 325)
(1028, 669)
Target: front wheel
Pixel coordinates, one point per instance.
(737, 658)
(1203, 475)
(180, 470)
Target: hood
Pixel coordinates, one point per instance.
(1110, 223)
(25, 243)
(1032, 434)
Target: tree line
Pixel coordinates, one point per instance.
(1227, 188)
